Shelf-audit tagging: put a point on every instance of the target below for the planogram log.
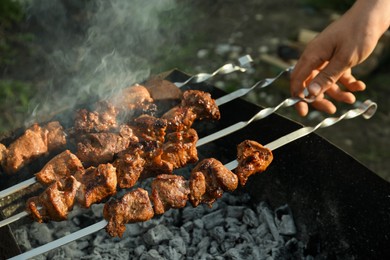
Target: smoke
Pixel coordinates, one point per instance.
(92, 48)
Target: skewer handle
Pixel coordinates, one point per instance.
(225, 69)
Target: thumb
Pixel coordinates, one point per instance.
(326, 78)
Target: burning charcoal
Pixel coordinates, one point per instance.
(139, 250)
(178, 244)
(213, 219)
(21, 235)
(250, 218)
(218, 233)
(203, 246)
(284, 221)
(268, 217)
(233, 254)
(185, 235)
(152, 254)
(156, 235)
(191, 213)
(3, 150)
(234, 211)
(252, 158)
(171, 253)
(41, 233)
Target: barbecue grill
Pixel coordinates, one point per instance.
(341, 208)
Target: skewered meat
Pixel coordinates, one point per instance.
(180, 148)
(252, 158)
(129, 166)
(102, 119)
(134, 206)
(97, 148)
(55, 202)
(179, 118)
(3, 151)
(209, 179)
(36, 141)
(149, 128)
(98, 183)
(132, 98)
(169, 191)
(62, 165)
(203, 105)
(164, 93)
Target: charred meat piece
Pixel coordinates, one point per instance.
(169, 191)
(96, 184)
(102, 119)
(55, 202)
(97, 148)
(62, 165)
(180, 148)
(216, 179)
(129, 166)
(134, 206)
(149, 128)
(179, 118)
(35, 142)
(202, 104)
(252, 158)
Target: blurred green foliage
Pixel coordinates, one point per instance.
(335, 5)
(14, 94)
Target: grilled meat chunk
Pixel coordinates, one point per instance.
(216, 179)
(55, 202)
(3, 151)
(62, 165)
(134, 206)
(180, 148)
(164, 93)
(35, 142)
(202, 104)
(252, 158)
(96, 184)
(169, 191)
(129, 166)
(97, 148)
(132, 98)
(149, 128)
(102, 119)
(179, 118)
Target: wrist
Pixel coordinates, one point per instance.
(376, 14)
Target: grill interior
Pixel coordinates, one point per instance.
(341, 208)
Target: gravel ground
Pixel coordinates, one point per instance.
(194, 36)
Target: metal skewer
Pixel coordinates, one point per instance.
(366, 109)
(244, 61)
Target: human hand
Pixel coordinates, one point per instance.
(324, 68)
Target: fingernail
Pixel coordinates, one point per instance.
(314, 89)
